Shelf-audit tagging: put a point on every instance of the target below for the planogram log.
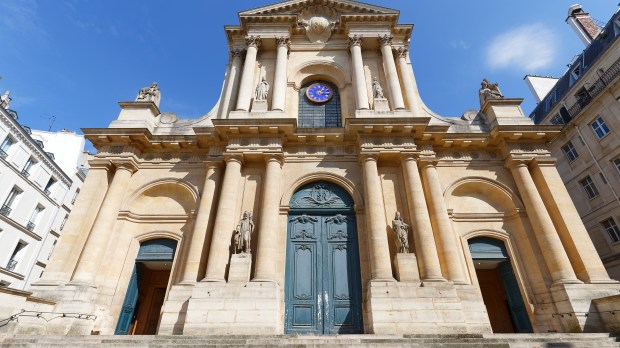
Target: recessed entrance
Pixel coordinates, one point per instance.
(499, 287)
(147, 288)
(323, 286)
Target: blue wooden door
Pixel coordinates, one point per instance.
(323, 286)
(520, 320)
(131, 299)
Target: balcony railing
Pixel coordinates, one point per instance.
(25, 173)
(11, 265)
(5, 210)
(47, 192)
(3, 154)
(596, 88)
(30, 226)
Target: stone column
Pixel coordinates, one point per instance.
(410, 90)
(280, 78)
(361, 92)
(224, 221)
(380, 264)
(201, 225)
(548, 240)
(268, 227)
(450, 257)
(92, 255)
(424, 241)
(247, 78)
(233, 81)
(573, 234)
(385, 41)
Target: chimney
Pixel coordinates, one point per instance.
(582, 24)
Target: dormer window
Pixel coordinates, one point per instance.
(576, 73)
(551, 100)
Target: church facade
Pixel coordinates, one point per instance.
(322, 196)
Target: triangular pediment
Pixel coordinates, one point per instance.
(293, 7)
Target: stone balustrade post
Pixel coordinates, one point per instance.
(278, 99)
(361, 92)
(103, 228)
(247, 86)
(224, 221)
(385, 41)
(268, 227)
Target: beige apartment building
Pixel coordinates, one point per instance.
(585, 103)
(322, 196)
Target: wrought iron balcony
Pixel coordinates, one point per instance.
(25, 173)
(30, 226)
(3, 154)
(47, 192)
(11, 265)
(5, 210)
(605, 77)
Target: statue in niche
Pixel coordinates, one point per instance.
(377, 90)
(262, 90)
(149, 94)
(401, 234)
(243, 233)
(489, 91)
(5, 100)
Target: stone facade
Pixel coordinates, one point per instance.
(486, 174)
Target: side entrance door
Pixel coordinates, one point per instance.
(323, 286)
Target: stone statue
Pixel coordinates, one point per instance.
(401, 234)
(262, 90)
(377, 90)
(489, 91)
(149, 94)
(5, 100)
(243, 233)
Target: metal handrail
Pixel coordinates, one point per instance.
(596, 88)
(5, 210)
(11, 265)
(30, 226)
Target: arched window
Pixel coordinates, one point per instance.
(319, 114)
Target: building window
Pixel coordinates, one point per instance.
(570, 152)
(617, 164)
(557, 119)
(9, 201)
(575, 74)
(64, 221)
(16, 256)
(589, 187)
(26, 170)
(551, 101)
(75, 194)
(600, 128)
(34, 218)
(48, 187)
(6, 145)
(612, 229)
(319, 114)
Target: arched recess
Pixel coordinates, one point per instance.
(500, 255)
(169, 196)
(326, 176)
(478, 194)
(320, 70)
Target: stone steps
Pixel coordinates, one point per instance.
(415, 341)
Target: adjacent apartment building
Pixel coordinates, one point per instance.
(40, 177)
(586, 102)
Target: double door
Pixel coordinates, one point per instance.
(323, 286)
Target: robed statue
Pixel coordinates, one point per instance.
(262, 90)
(401, 234)
(377, 90)
(489, 91)
(5, 100)
(243, 233)
(149, 94)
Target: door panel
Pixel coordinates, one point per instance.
(131, 299)
(323, 287)
(514, 299)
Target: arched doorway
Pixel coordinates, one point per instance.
(323, 286)
(147, 288)
(499, 287)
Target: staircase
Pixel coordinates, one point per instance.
(443, 341)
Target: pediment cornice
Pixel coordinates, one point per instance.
(293, 7)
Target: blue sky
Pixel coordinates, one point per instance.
(75, 59)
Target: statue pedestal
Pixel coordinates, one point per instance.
(260, 106)
(381, 104)
(407, 268)
(240, 265)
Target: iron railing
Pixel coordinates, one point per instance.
(605, 78)
(47, 192)
(30, 226)
(25, 173)
(3, 154)
(11, 265)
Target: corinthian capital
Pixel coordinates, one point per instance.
(253, 41)
(283, 41)
(237, 53)
(385, 40)
(355, 40)
(402, 52)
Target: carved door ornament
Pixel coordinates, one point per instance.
(319, 21)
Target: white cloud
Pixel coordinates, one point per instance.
(19, 16)
(528, 48)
